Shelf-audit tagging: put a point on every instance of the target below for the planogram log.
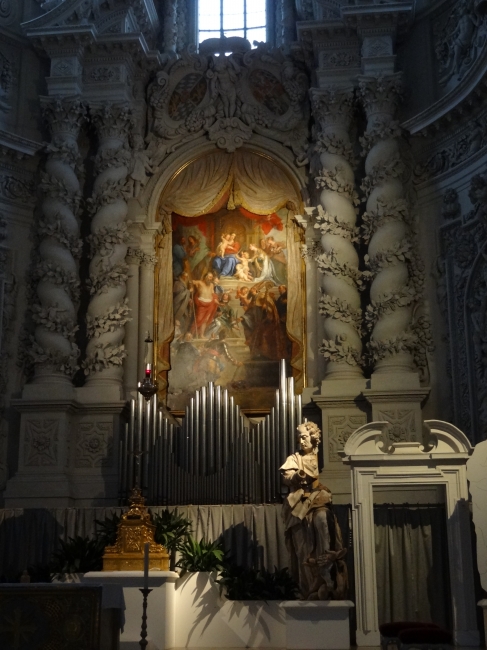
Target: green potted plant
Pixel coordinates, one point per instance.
(172, 531)
(76, 556)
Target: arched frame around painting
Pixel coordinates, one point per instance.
(229, 279)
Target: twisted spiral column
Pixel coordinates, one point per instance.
(108, 309)
(396, 271)
(55, 277)
(336, 218)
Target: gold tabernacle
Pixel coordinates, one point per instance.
(134, 530)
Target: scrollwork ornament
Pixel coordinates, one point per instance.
(5, 8)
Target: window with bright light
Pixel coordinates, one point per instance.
(245, 18)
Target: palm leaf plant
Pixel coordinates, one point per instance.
(241, 583)
(77, 555)
(172, 531)
(200, 556)
(106, 531)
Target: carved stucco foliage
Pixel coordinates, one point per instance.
(108, 310)
(336, 219)
(228, 99)
(400, 330)
(94, 444)
(445, 153)
(54, 277)
(41, 443)
(340, 428)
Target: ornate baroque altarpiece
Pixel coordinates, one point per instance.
(229, 280)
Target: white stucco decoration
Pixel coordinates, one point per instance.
(477, 478)
(440, 460)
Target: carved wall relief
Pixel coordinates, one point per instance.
(41, 443)
(228, 98)
(402, 424)
(94, 445)
(459, 35)
(462, 289)
(340, 428)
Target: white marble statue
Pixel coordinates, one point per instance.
(313, 535)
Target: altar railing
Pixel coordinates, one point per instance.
(217, 456)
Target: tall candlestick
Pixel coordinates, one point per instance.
(146, 565)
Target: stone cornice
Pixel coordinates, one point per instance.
(367, 14)
(61, 38)
(16, 146)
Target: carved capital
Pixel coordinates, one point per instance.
(112, 121)
(333, 107)
(380, 95)
(148, 260)
(134, 256)
(64, 116)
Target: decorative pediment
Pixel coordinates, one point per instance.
(372, 441)
(228, 99)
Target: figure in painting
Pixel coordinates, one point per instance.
(264, 335)
(181, 295)
(225, 262)
(242, 272)
(313, 535)
(205, 302)
(230, 296)
(179, 257)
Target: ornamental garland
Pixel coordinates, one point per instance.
(53, 319)
(333, 307)
(327, 263)
(56, 188)
(114, 318)
(393, 168)
(56, 230)
(328, 223)
(332, 143)
(104, 356)
(107, 276)
(107, 237)
(387, 211)
(67, 364)
(329, 179)
(338, 351)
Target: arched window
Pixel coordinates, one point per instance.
(244, 18)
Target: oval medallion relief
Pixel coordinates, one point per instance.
(188, 94)
(268, 90)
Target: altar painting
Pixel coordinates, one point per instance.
(230, 300)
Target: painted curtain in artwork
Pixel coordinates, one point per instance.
(205, 202)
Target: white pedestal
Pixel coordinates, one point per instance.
(206, 619)
(160, 606)
(317, 624)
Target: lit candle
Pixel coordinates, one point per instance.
(146, 565)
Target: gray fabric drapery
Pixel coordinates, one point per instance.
(412, 564)
(252, 534)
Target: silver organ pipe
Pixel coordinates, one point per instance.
(216, 456)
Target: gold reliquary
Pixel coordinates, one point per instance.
(134, 531)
